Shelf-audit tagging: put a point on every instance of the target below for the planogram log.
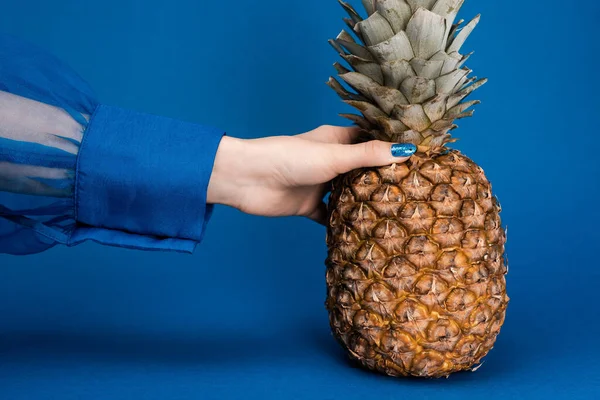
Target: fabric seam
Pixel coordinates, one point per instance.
(76, 196)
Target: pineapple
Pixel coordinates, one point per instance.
(416, 268)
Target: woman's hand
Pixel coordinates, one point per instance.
(290, 175)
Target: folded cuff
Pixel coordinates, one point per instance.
(141, 181)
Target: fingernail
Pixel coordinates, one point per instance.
(403, 149)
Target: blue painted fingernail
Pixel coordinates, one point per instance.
(403, 149)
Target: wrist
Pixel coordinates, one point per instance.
(228, 173)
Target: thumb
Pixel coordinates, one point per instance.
(371, 154)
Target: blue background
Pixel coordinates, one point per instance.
(244, 316)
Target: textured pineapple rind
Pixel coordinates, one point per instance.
(416, 270)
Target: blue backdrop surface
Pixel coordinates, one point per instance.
(244, 316)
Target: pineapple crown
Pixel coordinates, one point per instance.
(407, 73)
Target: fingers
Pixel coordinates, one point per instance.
(319, 215)
(332, 134)
(346, 158)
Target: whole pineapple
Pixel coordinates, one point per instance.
(416, 271)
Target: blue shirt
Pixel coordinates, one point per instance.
(73, 169)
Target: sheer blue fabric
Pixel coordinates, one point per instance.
(44, 110)
(72, 169)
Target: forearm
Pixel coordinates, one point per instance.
(72, 169)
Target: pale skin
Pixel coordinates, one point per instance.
(290, 175)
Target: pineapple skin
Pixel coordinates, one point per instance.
(416, 270)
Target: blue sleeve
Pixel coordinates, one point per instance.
(73, 169)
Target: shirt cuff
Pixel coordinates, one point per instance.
(141, 181)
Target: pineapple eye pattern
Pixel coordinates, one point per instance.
(427, 292)
(424, 291)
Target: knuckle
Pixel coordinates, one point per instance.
(370, 148)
